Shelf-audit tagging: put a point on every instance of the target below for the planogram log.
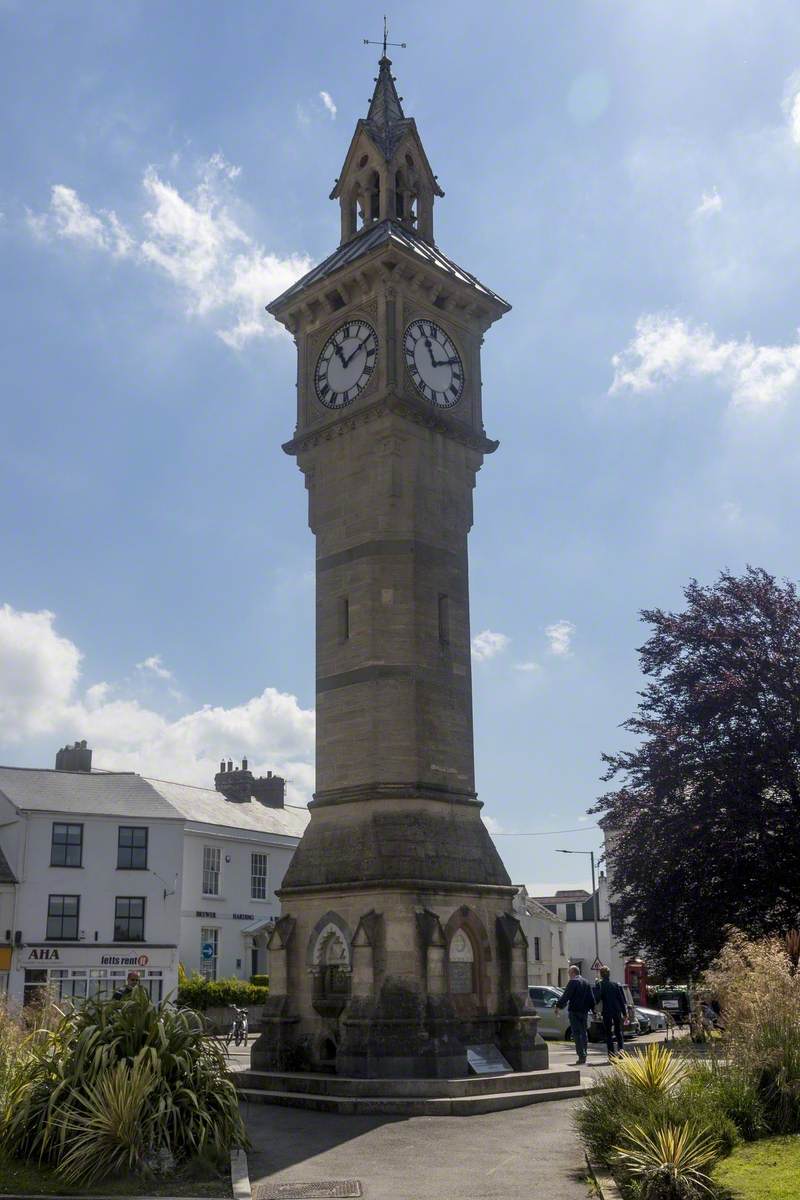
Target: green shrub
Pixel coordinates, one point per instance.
(199, 993)
(614, 1103)
(730, 1090)
(117, 1083)
(671, 1162)
(260, 980)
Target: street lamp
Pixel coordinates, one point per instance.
(595, 899)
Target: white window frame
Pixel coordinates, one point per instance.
(212, 855)
(208, 966)
(261, 877)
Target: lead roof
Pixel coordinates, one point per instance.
(370, 238)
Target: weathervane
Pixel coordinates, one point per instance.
(385, 42)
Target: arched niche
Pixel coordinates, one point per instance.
(329, 960)
(467, 958)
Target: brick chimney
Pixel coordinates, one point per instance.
(74, 758)
(238, 785)
(270, 791)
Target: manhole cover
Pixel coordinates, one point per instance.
(325, 1189)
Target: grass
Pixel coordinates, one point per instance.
(765, 1170)
(31, 1179)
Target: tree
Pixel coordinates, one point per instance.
(703, 826)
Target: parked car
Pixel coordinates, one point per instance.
(675, 1002)
(553, 1022)
(650, 1019)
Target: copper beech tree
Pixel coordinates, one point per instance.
(703, 825)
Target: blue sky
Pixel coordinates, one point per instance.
(627, 175)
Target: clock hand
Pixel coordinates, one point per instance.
(346, 361)
(340, 353)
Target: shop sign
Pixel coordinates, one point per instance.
(124, 960)
(243, 917)
(200, 913)
(43, 952)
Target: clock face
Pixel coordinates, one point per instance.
(346, 363)
(434, 363)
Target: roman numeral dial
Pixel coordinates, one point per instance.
(345, 364)
(433, 363)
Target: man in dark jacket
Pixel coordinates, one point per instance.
(578, 999)
(615, 1005)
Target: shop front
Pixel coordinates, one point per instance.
(75, 972)
(5, 968)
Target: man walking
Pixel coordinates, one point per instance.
(578, 999)
(614, 1006)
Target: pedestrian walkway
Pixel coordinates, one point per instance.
(523, 1154)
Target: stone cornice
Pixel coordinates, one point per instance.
(410, 410)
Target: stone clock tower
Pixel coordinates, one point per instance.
(397, 947)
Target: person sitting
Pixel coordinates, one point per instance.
(131, 982)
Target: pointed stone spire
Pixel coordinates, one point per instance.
(385, 106)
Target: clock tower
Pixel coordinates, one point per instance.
(397, 947)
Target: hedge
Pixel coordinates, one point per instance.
(200, 994)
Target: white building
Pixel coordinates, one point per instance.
(576, 908)
(103, 872)
(548, 961)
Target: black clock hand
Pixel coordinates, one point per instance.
(346, 361)
(339, 351)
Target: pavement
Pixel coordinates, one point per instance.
(521, 1154)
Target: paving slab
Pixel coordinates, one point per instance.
(521, 1154)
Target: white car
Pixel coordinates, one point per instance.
(650, 1019)
(553, 1022)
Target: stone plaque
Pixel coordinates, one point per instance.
(487, 1060)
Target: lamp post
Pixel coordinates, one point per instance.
(595, 899)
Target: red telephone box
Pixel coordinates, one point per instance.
(636, 979)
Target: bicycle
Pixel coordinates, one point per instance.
(238, 1030)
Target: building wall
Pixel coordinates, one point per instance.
(234, 908)
(98, 882)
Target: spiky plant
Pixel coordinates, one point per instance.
(190, 1097)
(109, 1126)
(671, 1163)
(657, 1070)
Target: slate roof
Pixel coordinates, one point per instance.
(114, 793)
(367, 240)
(6, 874)
(210, 807)
(386, 122)
(125, 794)
(573, 896)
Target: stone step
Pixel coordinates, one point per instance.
(412, 1106)
(312, 1084)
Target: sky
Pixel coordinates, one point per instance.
(625, 172)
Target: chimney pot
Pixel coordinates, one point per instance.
(77, 757)
(230, 764)
(244, 764)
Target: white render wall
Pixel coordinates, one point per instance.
(234, 908)
(172, 924)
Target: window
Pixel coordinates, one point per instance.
(537, 950)
(209, 952)
(67, 847)
(211, 866)
(132, 848)
(62, 918)
(553, 908)
(571, 914)
(129, 919)
(258, 876)
(588, 910)
(344, 618)
(444, 621)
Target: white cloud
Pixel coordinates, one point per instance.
(38, 672)
(194, 241)
(327, 100)
(493, 826)
(487, 644)
(710, 203)
(665, 349)
(531, 667)
(68, 217)
(40, 694)
(155, 666)
(730, 512)
(791, 106)
(559, 636)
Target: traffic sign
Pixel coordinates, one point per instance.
(596, 965)
(207, 951)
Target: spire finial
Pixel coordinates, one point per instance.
(386, 41)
